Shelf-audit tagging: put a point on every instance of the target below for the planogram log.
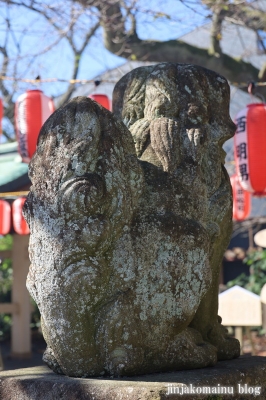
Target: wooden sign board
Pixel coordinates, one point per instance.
(240, 307)
(260, 238)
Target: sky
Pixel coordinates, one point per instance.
(31, 35)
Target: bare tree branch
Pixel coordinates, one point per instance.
(7, 95)
(128, 45)
(78, 55)
(216, 32)
(67, 26)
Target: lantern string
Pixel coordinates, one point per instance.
(48, 80)
(12, 195)
(97, 82)
(249, 85)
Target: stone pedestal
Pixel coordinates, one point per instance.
(245, 376)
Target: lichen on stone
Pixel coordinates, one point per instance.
(130, 213)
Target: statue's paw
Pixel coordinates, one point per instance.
(50, 360)
(117, 362)
(192, 351)
(124, 362)
(227, 346)
(228, 349)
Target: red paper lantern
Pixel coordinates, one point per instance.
(5, 217)
(1, 114)
(241, 200)
(250, 148)
(19, 223)
(31, 111)
(101, 99)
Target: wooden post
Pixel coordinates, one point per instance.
(263, 305)
(20, 332)
(239, 336)
(249, 335)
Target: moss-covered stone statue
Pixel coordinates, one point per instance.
(130, 214)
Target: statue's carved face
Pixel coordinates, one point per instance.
(173, 117)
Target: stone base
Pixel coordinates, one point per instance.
(245, 374)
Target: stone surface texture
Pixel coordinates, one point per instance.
(130, 213)
(40, 383)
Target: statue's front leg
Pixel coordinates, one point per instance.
(206, 320)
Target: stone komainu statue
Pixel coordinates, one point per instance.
(129, 222)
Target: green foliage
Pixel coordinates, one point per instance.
(6, 278)
(6, 242)
(257, 262)
(6, 275)
(5, 326)
(5, 270)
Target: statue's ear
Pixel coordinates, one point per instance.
(141, 135)
(129, 95)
